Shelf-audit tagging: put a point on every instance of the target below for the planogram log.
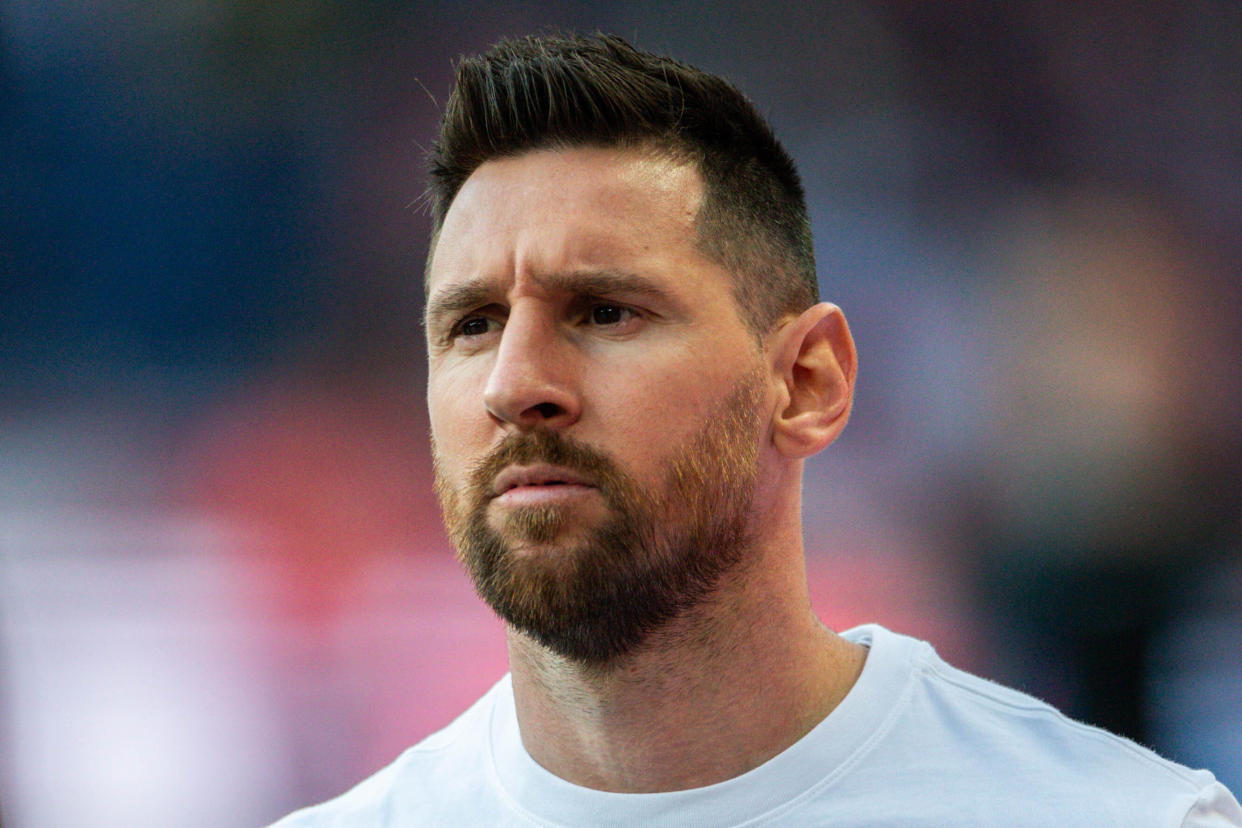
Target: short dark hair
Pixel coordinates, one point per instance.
(540, 92)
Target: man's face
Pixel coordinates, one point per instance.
(596, 401)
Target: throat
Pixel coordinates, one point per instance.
(662, 721)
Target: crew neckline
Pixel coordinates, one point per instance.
(806, 767)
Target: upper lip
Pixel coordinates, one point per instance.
(538, 474)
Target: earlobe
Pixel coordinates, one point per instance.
(815, 364)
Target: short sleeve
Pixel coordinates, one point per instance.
(1216, 807)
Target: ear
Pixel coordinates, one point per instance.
(814, 365)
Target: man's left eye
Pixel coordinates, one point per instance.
(609, 314)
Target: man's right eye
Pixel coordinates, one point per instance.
(474, 326)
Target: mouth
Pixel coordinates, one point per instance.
(536, 478)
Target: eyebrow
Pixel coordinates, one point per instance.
(478, 292)
(453, 300)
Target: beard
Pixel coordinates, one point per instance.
(654, 556)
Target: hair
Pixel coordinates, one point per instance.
(551, 92)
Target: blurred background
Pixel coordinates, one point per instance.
(224, 587)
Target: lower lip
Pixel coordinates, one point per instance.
(543, 495)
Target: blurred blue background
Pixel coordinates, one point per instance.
(224, 589)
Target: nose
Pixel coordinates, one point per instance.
(531, 384)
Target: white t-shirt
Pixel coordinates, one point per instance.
(916, 742)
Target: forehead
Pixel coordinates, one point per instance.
(568, 209)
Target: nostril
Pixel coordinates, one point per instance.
(548, 410)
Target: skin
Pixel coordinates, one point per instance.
(566, 292)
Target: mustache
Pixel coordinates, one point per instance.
(547, 447)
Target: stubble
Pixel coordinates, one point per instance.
(654, 556)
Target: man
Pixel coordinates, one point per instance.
(628, 365)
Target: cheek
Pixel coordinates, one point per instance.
(651, 414)
(458, 427)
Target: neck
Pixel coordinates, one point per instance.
(719, 691)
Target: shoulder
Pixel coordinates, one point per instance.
(1006, 750)
(444, 766)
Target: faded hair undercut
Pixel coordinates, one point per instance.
(561, 91)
